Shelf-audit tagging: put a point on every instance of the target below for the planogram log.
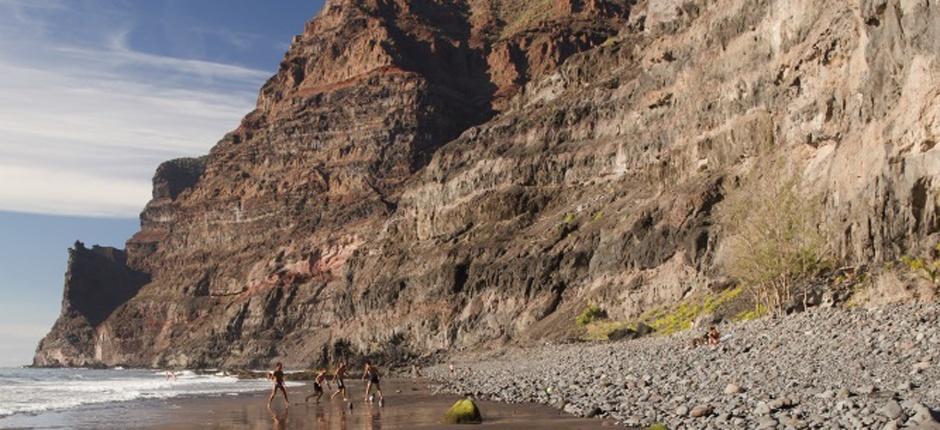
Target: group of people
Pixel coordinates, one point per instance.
(370, 374)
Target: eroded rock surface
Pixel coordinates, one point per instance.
(97, 282)
(450, 174)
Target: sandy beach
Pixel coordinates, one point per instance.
(409, 405)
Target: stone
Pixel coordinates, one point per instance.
(733, 389)
(891, 410)
(622, 334)
(701, 411)
(463, 412)
(642, 329)
(766, 422)
(843, 393)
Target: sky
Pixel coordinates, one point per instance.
(94, 94)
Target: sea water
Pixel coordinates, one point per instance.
(34, 391)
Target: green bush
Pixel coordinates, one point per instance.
(658, 426)
(568, 219)
(681, 317)
(773, 243)
(927, 268)
(590, 314)
(753, 314)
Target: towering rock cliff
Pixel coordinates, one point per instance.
(442, 174)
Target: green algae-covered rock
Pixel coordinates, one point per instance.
(463, 412)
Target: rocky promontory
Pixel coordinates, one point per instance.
(823, 369)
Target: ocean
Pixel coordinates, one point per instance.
(35, 391)
(85, 399)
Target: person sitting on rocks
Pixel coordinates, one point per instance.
(713, 336)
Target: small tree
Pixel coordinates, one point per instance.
(774, 244)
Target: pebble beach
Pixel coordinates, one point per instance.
(825, 368)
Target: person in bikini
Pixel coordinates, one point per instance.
(278, 377)
(340, 378)
(318, 382)
(372, 374)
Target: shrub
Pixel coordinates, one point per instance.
(601, 330)
(927, 268)
(658, 426)
(568, 219)
(681, 317)
(774, 244)
(590, 314)
(753, 314)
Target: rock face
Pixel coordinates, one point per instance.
(433, 174)
(96, 283)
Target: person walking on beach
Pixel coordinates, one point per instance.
(318, 382)
(340, 378)
(372, 374)
(278, 377)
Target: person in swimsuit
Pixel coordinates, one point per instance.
(317, 386)
(372, 374)
(278, 377)
(339, 377)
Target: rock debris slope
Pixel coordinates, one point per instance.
(822, 369)
(443, 174)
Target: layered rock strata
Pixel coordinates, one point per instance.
(426, 175)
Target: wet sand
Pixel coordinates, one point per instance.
(409, 404)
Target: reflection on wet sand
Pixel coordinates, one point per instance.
(280, 419)
(410, 405)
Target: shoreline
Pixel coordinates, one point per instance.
(410, 404)
(818, 369)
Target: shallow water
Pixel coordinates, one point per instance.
(409, 405)
(33, 391)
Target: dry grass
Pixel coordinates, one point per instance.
(519, 15)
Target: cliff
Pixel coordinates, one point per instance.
(97, 282)
(425, 175)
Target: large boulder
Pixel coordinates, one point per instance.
(463, 412)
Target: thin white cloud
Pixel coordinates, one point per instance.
(83, 125)
(69, 191)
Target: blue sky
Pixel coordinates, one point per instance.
(94, 95)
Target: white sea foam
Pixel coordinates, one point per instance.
(39, 390)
